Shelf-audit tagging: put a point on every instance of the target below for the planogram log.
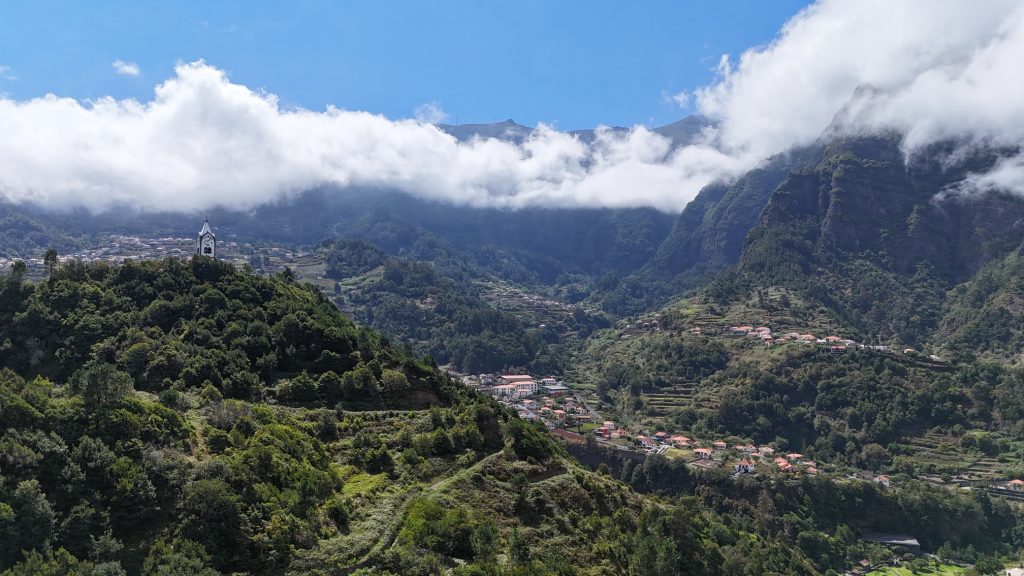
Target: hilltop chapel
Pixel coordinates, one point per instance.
(206, 244)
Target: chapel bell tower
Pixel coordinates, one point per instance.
(206, 244)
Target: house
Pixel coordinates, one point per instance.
(837, 350)
(812, 469)
(646, 442)
(794, 456)
(504, 390)
(747, 448)
(1017, 485)
(1015, 572)
(680, 441)
(744, 467)
(560, 414)
(807, 338)
(695, 331)
(609, 424)
(882, 480)
(525, 388)
(703, 453)
(556, 389)
(765, 450)
(719, 445)
(661, 436)
(510, 378)
(832, 339)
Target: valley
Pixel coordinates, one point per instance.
(792, 362)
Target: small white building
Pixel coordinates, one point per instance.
(206, 243)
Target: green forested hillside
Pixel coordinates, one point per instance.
(176, 325)
(985, 315)
(438, 308)
(181, 417)
(23, 234)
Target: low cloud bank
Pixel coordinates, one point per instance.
(931, 69)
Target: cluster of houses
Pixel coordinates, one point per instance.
(764, 334)
(519, 386)
(545, 399)
(744, 457)
(555, 411)
(793, 463)
(836, 344)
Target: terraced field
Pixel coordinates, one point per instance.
(667, 400)
(949, 457)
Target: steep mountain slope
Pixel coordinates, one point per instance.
(869, 235)
(708, 236)
(986, 314)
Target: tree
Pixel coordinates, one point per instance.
(18, 270)
(394, 383)
(484, 540)
(50, 261)
(518, 549)
(102, 384)
(327, 426)
(50, 563)
(988, 565)
(178, 558)
(33, 518)
(212, 516)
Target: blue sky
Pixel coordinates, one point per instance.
(571, 64)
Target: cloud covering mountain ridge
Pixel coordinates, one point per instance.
(939, 70)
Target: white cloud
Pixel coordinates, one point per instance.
(6, 73)
(679, 99)
(126, 68)
(430, 113)
(204, 140)
(932, 69)
(936, 69)
(1006, 175)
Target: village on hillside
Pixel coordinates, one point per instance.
(567, 415)
(263, 258)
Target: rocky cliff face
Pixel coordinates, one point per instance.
(878, 237)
